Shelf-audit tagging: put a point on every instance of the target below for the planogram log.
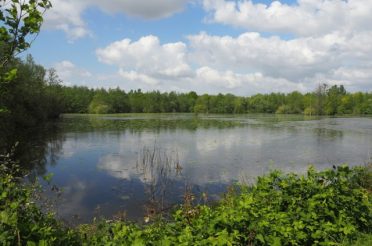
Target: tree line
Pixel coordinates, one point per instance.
(30, 94)
(325, 100)
(37, 94)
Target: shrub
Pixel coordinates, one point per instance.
(320, 208)
(21, 221)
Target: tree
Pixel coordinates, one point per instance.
(25, 98)
(334, 96)
(119, 100)
(20, 21)
(320, 93)
(54, 97)
(202, 104)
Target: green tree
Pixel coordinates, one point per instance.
(119, 101)
(346, 104)
(202, 104)
(333, 101)
(54, 98)
(77, 99)
(136, 100)
(100, 103)
(320, 94)
(20, 19)
(25, 96)
(239, 105)
(20, 23)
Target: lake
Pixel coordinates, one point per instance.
(137, 165)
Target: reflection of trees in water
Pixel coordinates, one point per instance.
(322, 133)
(36, 147)
(86, 123)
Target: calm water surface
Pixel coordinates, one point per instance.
(138, 164)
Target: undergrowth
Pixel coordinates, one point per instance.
(331, 207)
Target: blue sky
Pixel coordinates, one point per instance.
(209, 46)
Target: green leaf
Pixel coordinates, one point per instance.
(11, 74)
(260, 238)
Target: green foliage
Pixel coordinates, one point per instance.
(31, 97)
(284, 109)
(21, 220)
(324, 100)
(330, 207)
(363, 240)
(19, 20)
(321, 208)
(100, 104)
(334, 97)
(309, 111)
(20, 23)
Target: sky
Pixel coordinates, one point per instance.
(242, 47)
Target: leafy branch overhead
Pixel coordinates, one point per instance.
(20, 23)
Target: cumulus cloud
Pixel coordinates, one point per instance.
(141, 8)
(247, 64)
(66, 15)
(138, 77)
(227, 79)
(330, 42)
(71, 74)
(147, 59)
(273, 56)
(303, 18)
(248, 83)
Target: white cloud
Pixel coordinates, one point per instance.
(304, 18)
(147, 60)
(138, 77)
(247, 64)
(227, 79)
(248, 83)
(303, 61)
(70, 74)
(153, 9)
(271, 56)
(66, 15)
(331, 43)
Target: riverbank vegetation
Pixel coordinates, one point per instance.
(330, 207)
(36, 94)
(326, 100)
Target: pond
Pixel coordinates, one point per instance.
(137, 165)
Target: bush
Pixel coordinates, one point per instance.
(21, 221)
(310, 111)
(320, 208)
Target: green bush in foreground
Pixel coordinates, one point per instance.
(21, 221)
(331, 207)
(325, 208)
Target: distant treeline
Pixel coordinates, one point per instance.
(324, 101)
(37, 94)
